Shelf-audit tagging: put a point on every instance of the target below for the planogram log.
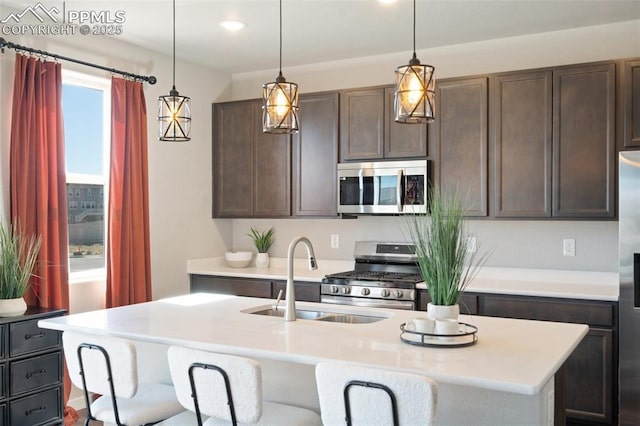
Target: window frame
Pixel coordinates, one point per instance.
(103, 84)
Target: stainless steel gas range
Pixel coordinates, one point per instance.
(385, 276)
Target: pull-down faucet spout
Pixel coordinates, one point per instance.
(290, 312)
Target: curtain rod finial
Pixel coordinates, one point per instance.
(152, 79)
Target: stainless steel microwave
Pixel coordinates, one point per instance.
(384, 187)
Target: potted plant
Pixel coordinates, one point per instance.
(442, 250)
(18, 255)
(263, 242)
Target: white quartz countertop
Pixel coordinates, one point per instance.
(515, 356)
(526, 282)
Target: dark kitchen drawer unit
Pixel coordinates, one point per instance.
(468, 302)
(248, 287)
(31, 365)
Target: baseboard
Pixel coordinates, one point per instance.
(77, 403)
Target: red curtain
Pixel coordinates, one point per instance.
(38, 181)
(128, 249)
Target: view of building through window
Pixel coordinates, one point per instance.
(85, 107)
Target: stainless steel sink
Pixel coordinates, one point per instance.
(300, 314)
(322, 316)
(350, 318)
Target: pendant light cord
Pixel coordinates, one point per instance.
(280, 36)
(174, 44)
(414, 28)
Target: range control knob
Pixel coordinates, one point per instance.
(397, 294)
(384, 292)
(334, 289)
(365, 291)
(346, 290)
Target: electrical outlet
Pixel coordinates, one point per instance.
(471, 244)
(569, 247)
(335, 241)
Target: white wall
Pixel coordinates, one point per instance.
(524, 244)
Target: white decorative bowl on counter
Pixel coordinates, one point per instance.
(238, 259)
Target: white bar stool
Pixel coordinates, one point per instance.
(228, 389)
(108, 366)
(355, 395)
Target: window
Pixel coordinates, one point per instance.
(86, 111)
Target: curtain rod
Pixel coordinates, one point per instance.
(4, 43)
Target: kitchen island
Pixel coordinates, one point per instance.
(506, 378)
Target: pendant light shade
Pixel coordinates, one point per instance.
(174, 111)
(414, 100)
(280, 101)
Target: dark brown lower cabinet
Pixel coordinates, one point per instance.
(31, 367)
(250, 287)
(591, 388)
(468, 302)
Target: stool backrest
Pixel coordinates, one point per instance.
(245, 378)
(98, 352)
(415, 395)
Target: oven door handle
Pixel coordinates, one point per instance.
(400, 190)
(368, 303)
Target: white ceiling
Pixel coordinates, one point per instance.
(328, 30)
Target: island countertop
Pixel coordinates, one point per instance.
(587, 285)
(514, 356)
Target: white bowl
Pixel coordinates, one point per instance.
(238, 259)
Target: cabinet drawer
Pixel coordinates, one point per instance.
(37, 409)
(26, 336)
(468, 302)
(581, 312)
(231, 285)
(35, 372)
(305, 292)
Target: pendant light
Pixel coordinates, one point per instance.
(415, 93)
(280, 101)
(174, 111)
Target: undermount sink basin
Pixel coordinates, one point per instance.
(300, 314)
(345, 318)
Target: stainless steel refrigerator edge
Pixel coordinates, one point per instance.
(629, 302)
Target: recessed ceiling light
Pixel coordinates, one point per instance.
(387, 1)
(232, 25)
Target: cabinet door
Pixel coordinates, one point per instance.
(402, 140)
(460, 134)
(631, 107)
(362, 124)
(590, 378)
(584, 141)
(521, 123)
(272, 166)
(233, 159)
(316, 156)
(468, 302)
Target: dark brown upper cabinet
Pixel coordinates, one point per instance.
(402, 140)
(315, 156)
(459, 134)
(252, 170)
(521, 127)
(631, 107)
(584, 141)
(369, 132)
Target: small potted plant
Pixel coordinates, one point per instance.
(443, 255)
(263, 242)
(18, 256)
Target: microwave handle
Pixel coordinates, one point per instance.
(400, 190)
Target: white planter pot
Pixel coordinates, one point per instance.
(443, 311)
(262, 260)
(12, 307)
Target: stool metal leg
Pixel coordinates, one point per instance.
(105, 355)
(389, 392)
(227, 385)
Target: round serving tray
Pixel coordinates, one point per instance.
(467, 335)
